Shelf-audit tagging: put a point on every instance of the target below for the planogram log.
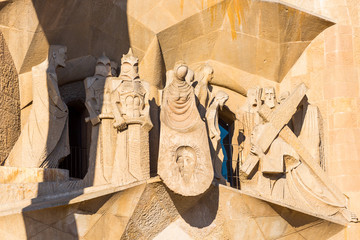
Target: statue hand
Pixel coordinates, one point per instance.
(241, 148)
(95, 120)
(120, 125)
(106, 115)
(217, 137)
(147, 125)
(256, 150)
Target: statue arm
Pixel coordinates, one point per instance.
(210, 97)
(213, 131)
(119, 123)
(256, 150)
(54, 93)
(106, 111)
(89, 103)
(212, 120)
(147, 123)
(93, 117)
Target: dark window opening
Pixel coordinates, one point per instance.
(79, 138)
(226, 126)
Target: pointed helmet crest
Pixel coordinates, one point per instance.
(129, 66)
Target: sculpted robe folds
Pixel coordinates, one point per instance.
(184, 155)
(44, 138)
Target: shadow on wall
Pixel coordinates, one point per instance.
(302, 221)
(198, 211)
(85, 28)
(154, 137)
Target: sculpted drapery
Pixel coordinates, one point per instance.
(44, 140)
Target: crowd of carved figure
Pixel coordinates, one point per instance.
(279, 154)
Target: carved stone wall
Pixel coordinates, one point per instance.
(9, 101)
(247, 43)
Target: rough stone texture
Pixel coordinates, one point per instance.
(153, 213)
(9, 101)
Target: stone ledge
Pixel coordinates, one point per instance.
(66, 197)
(32, 175)
(80, 195)
(335, 219)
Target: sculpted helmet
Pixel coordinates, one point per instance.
(103, 59)
(103, 66)
(129, 67)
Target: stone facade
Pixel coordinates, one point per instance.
(248, 112)
(10, 101)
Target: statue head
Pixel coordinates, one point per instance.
(129, 67)
(254, 98)
(180, 70)
(208, 72)
(221, 97)
(114, 67)
(103, 66)
(186, 161)
(189, 78)
(269, 97)
(57, 55)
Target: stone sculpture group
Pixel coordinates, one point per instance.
(119, 112)
(280, 155)
(282, 166)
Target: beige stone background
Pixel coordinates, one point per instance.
(248, 43)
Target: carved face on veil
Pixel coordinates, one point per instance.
(186, 161)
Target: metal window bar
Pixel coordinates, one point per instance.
(233, 176)
(76, 162)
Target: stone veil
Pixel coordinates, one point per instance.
(184, 155)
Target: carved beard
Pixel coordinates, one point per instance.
(270, 103)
